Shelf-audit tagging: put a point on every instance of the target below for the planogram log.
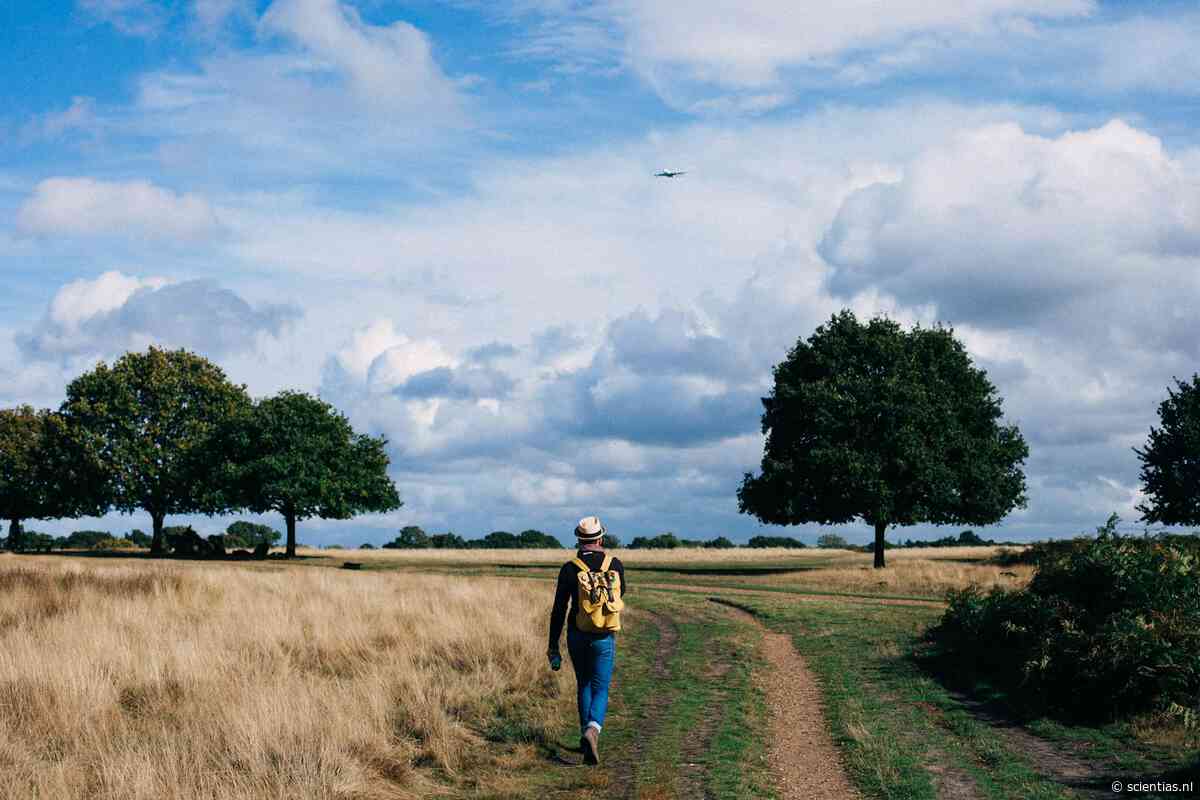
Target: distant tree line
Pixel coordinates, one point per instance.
(165, 431)
(240, 534)
(413, 537)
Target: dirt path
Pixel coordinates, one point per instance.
(803, 758)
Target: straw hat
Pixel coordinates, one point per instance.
(589, 529)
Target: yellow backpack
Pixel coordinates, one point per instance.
(598, 604)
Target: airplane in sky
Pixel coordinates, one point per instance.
(666, 173)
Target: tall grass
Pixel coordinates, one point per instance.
(199, 681)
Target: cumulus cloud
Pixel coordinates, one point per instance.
(464, 382)
(117, 312)
(1002, 226)
(390, 64)
(88, 207)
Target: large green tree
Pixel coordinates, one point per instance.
(43, 474)
(152, 419)
(297, 455)
(1171, 459)
(889, 426)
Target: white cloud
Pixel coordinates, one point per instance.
(319, 89)
(390, 65)
(748, 56)
(1006, 225)
(88, 207)
(81, 300)
(117, 312)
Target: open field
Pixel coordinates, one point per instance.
(423, 675)
(923, 574)
(175, 680)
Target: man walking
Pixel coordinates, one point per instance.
(591, 587)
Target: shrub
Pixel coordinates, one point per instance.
(1107, 626)
(248, 534)
(85, 540)
(139, 538)
(774, 541)
(111, 543)
(832, 541)
(719, 543)
(447, 541)
(610, 541)
(664, 541)
(411, 538)
(536, 539)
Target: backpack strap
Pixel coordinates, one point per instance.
(607, 562)
(579, 563)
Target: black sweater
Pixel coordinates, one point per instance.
(568, 587)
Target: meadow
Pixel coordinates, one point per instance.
(423, 674)
(149, 679)
(919, 574)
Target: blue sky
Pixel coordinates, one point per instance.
(442, 218)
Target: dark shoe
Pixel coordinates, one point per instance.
(591, 746)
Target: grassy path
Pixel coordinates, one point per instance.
(685, 717)
(691, 714)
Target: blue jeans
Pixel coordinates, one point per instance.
(592, 657)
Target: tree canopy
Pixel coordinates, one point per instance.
(43, 474)
(890, 426)
(1171, 459)
(297, 455)
(412, 537)
(149, 419)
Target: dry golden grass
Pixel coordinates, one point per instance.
(909, 577)
(927, 572)
(160, 680)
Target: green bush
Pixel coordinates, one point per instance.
(447, 541)
(111, 543)
(1107, 626)
(774, 541)
(85, 540)
(248, 534)
(719, 543)
(664, 541)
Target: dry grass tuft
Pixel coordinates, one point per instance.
(180, 681)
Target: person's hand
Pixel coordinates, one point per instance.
(555, 660)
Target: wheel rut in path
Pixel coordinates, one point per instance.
(803, 759)
(624, 776)
(1087, 778)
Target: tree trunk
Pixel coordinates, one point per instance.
(157, 545)
(880, 527)
(290, 516)
(15, 539)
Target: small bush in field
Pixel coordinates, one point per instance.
(1107, 626)
(111, 543)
